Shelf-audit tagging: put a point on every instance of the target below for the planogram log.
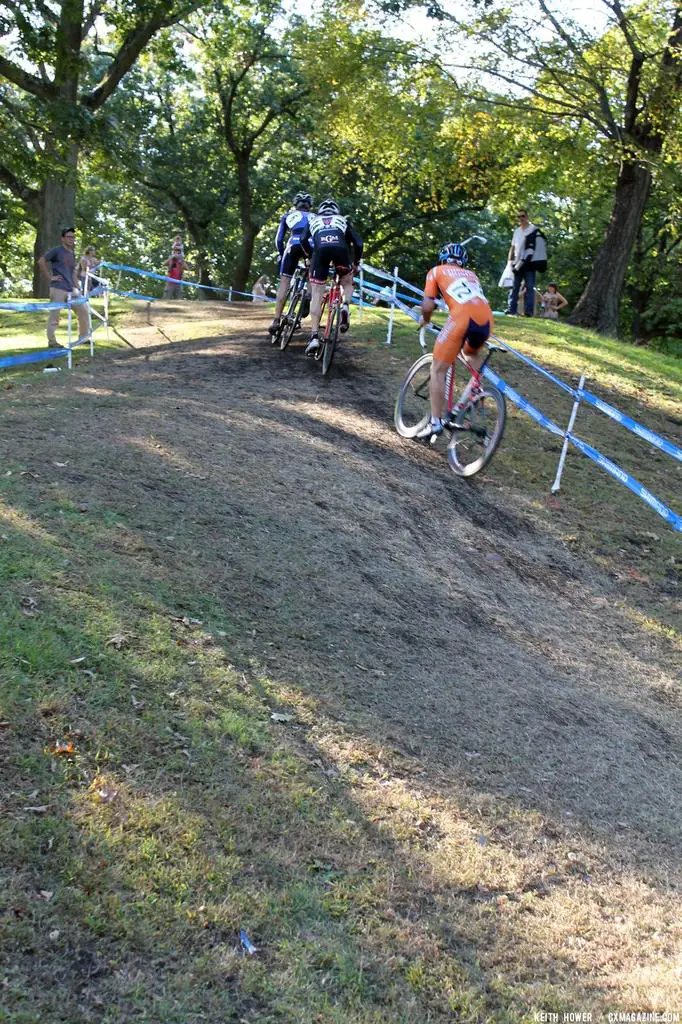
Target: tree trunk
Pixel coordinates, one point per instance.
(57, 210)
(599, 304)
(242, 268)
(249, 228)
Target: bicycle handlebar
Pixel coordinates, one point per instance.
(476, 238)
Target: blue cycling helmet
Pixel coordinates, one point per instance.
(453, 252)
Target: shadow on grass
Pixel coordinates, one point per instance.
(490, 676)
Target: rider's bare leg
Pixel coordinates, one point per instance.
(347, 285)
(439, 369)
(318, 291)
(475, 356)
(282, 290)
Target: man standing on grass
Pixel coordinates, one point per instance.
(59, 266)
(520, 258)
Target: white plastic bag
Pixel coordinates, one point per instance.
(507, 279)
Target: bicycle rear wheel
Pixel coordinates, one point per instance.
(331, 341)
(413, 404)
(478, 432)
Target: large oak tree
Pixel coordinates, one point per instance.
(60, 63)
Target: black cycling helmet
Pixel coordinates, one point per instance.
(453, 252)
(328, 206)
(303, 199)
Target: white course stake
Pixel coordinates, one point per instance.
(562, 458)
(394, 289)
(360, 302)
(69, 318)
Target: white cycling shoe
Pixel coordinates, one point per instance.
(313, 345)
(432, 429)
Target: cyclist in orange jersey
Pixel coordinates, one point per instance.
(469, 323)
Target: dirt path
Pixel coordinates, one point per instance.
(422, 614)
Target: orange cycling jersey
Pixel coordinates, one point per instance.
(470, 317)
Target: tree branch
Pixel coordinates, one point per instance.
(131, 48)
(287, 105)
(29, 196)
(25, 81)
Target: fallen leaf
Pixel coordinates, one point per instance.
(137, 704)
(76, 661)
(4, 725)
(46, 894)
(54, 934)
(29, 607)
(42, 809)
(118, 640)
(60, 464)
(277, 717)
(62, 747)
(106, 794)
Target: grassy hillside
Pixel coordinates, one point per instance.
(593, 514)
(265, 666)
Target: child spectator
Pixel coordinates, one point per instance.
(175, 268)
(260, 288)
(553, 301)
(88, 261)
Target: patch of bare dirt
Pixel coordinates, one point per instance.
(428, 616)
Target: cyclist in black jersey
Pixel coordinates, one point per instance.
(328, 239)
(294, 223)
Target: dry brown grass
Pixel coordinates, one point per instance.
(482, 773)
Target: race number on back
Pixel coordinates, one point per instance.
(463, 291)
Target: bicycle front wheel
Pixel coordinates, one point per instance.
(290, 320)
(331, 340)
(413, 404)
(477, 433)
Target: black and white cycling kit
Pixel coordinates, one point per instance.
(329, 238)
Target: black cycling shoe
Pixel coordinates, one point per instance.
(344, 320)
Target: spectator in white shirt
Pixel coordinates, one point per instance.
(523, 273)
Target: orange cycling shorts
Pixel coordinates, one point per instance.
(468, 321)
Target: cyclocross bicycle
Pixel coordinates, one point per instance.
(330, 339)
(297, 304)
(474, 422)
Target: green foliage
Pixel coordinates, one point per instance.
(415, 152)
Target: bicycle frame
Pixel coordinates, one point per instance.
(450, 375)
(332, 300)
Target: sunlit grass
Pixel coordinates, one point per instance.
(184, 813)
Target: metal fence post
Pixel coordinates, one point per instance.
(394, 289)
(556, 486)
(69, 318)
(362, 282)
